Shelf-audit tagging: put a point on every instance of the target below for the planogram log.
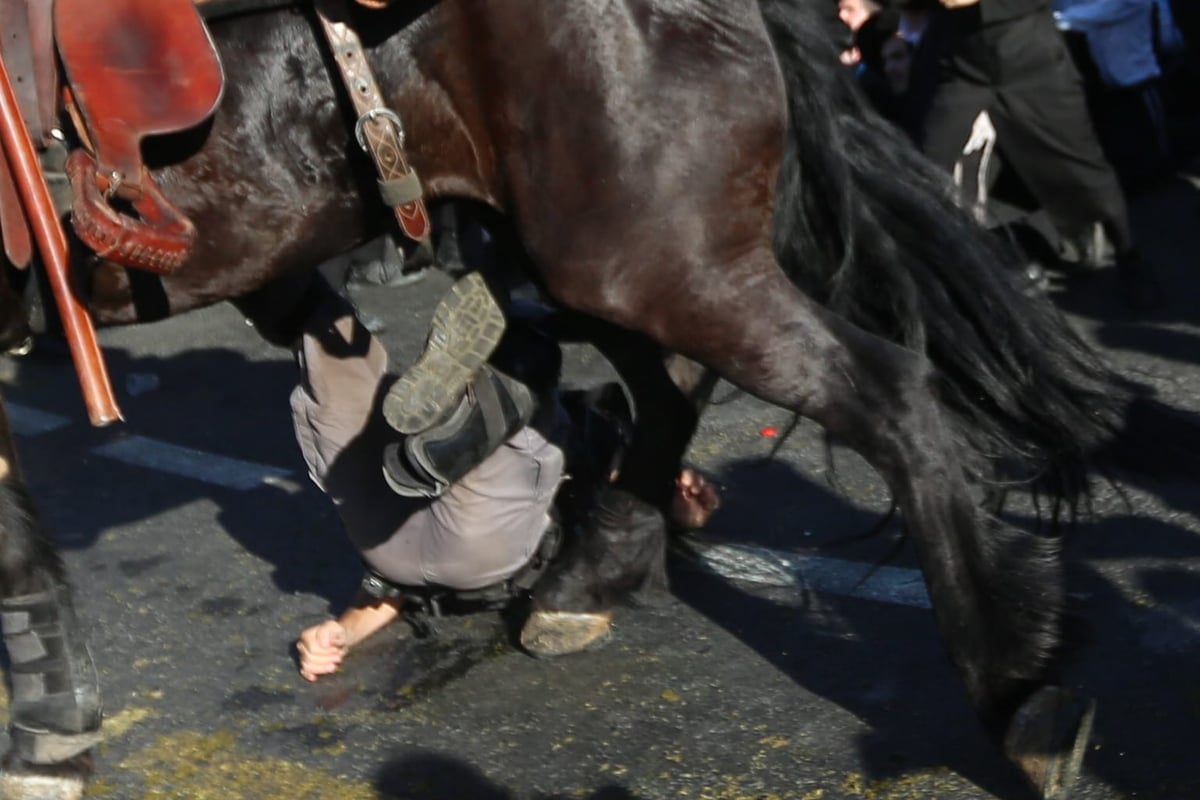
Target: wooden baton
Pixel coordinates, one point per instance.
(52, 243)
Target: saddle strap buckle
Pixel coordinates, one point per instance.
(379, 112)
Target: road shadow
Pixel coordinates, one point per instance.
(437, 776)
(1135, 628)
(216, 401)
(882, 663)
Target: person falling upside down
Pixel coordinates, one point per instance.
(466, 498)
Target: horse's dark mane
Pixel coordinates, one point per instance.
(870, 228)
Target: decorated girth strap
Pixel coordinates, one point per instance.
(379, 130)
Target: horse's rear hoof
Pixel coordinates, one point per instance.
(548, 634)
(61, 782)
(466, 327)
(1047, 739)
(45, 747)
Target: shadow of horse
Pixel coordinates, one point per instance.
(216, 401)
(437, 776)
(1135, 626)
(920, 728)
(1140, 614)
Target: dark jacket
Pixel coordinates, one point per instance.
(997, 41)
(992, 11)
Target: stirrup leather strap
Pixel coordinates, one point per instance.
(379, 130)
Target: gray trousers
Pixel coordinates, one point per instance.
(481, 531)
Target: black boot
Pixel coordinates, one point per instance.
(493, 408)
(466, 328)
(55, 708)
(502, 397)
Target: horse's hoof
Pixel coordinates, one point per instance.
(1047, 739)
(60, 782)
(548, 634)
(467, 325)
(46, 747)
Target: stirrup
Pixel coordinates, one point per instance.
(467, 325)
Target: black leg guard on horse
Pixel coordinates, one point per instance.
(55, 709)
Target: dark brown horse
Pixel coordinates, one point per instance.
(701, 178)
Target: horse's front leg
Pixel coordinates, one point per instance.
(620, 554)
(54, 709)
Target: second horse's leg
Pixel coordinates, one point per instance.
(55, 709)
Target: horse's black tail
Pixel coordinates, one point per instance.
(866, 225)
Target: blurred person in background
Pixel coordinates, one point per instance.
(1007, 57)
(900, 49)
(853, 13)
(1123, 41)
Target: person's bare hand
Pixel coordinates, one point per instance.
(694, 501)
(322, 648)
(952, 4)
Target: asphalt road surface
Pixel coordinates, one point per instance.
(783, 665)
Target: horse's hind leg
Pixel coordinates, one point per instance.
(997, 594)
(54, 711)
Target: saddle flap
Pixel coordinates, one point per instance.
(136, 68)
(28, 50)
(14, 227)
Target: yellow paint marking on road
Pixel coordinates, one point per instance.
(215, 767)
(120, 723)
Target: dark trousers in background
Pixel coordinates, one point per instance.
(1134, 122)
(1021, 73)
(1187, 19)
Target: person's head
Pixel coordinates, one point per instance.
(883, 50)
(896, 55)
(855, 12)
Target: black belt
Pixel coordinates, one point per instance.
(427, 602)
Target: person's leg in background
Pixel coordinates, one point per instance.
(951, 128)
(955, 107)
(1046, 134)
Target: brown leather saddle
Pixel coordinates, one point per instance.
(135, 68)
(131, 69)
